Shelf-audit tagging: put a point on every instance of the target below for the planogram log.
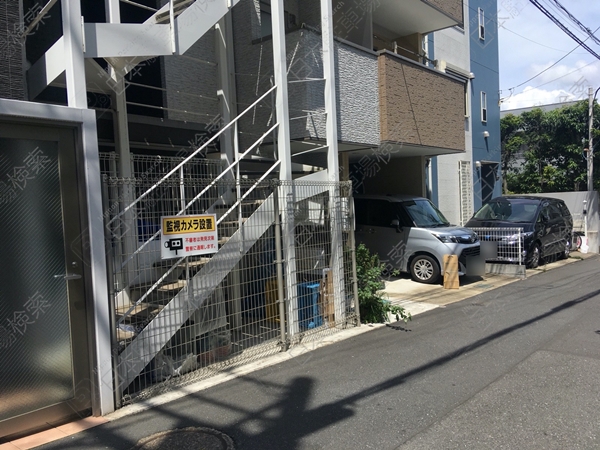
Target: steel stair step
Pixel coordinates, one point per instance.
(140, 311)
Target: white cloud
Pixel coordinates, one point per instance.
(530, 42)
(558, 84)
(573, 78)
(536, 97)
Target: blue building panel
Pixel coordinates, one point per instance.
(486, 130)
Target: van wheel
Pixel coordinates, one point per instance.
(535, 258)
(425, 269)
(565, 253)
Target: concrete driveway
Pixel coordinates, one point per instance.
(417, 298)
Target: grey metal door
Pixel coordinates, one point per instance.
(44, 375)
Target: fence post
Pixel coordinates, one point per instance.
(353, 255)
(521, 238)
(279, 262)
(117, 392)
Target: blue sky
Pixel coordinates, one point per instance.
(529, 42)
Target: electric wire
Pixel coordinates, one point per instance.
(549, 67)
(577, 22)
(558, 23)
(581, 44)
(539, 43)
(568, 73)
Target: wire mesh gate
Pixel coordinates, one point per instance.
(283, 274)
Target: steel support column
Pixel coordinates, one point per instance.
(121, 137)
(285, 157)
(74, 60)
(229, 139)
(335, 207)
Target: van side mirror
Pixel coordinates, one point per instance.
(396, 224)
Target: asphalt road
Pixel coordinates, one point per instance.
(513, 368)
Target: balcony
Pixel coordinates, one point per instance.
(417, 16)
(422, 110)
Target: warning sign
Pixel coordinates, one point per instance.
(188, 236)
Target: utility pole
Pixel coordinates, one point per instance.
(590, 156)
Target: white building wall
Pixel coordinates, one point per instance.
(452, 46)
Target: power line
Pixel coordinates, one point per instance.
(563, 27)
(568, 73)
(538, 43)
(550, 67)
(554, 79)
(577, 22)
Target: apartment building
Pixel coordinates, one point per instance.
(248, 117)
(470, 52)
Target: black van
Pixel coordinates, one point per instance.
(547, 225)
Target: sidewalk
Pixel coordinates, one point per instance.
(417, 298)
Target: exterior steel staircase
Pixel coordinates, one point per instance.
(150, 341)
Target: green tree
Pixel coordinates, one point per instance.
(512, 143)
(551, 144)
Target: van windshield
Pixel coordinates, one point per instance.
(509, 210)
(424, 214)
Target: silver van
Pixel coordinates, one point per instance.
(411, 235)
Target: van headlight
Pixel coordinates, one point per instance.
(446, 238)
(514, 238)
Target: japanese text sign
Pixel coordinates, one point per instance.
(188, 236)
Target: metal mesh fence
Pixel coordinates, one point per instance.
(282, 275)
(153, 167)
(502, 244)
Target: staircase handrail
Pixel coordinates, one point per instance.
(202, 147)
(212, 183)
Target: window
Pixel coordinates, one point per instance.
(381, 213)
(266, 23)
(424, 213)
(481, 24)
(483, 107)
(544, 214)
(554, 212)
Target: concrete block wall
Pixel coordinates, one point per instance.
(254, 71)
(356, 84)
(357, 87)
(12, 81)
(191, 82)
(420, 105)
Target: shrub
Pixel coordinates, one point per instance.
(374, 307)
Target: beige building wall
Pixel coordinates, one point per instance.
(419, 105)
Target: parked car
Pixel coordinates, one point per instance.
(411, 235)
(547, 226)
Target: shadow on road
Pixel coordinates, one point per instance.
(288, 418)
